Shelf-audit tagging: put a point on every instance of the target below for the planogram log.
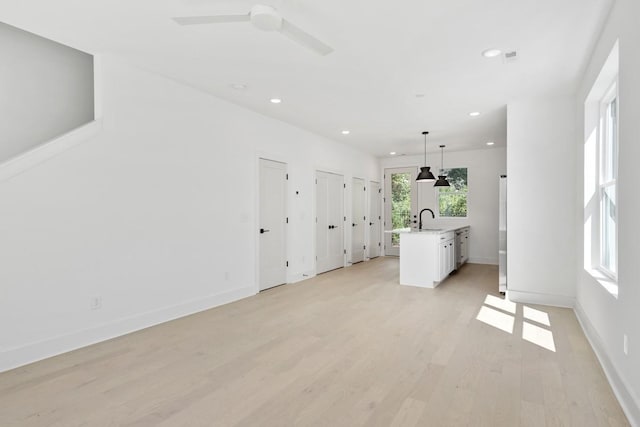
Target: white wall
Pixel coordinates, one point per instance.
(541, 195)
(47, 90)
(484, 168)
(605, 317)
(156, 215)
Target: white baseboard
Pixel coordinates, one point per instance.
(540, 299)
(34, 352)
(299, 277)
(489, 261)
(630, 403)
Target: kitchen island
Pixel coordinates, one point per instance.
(428, 256)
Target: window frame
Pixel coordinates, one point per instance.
(465, 192)
(604, 182)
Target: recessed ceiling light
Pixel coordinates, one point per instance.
(238, 86)
(393, 153)
(491, 53)
(346, 132)
(490, 143)
(474, 114)
(275, 100)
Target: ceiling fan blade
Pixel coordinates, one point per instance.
(214, 19)
(305, 39)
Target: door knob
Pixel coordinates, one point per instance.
(353, 225)
(370, 223)
(262, 231)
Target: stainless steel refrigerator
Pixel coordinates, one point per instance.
(502, 236)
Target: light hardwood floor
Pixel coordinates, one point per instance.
(347, 348)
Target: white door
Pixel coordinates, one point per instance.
(375, 199)
(400, 205)
(358, 220)
(272, 220)
(330, 221)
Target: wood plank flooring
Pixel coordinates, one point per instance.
(347, 348)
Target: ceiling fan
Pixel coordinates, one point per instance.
(265, 18)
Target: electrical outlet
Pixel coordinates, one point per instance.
(625, 344)
(95, 303)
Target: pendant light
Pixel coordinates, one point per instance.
(425, 174)
(442, 179)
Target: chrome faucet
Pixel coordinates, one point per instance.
(432, 215)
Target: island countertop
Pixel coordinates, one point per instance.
(434, 230)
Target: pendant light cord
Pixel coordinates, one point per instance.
(425, 133)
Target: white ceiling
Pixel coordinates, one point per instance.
(386, 52)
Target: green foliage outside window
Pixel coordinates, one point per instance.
(400, 203)
(452, 201)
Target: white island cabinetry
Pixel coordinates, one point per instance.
(462, 246)
(447, 255)
(427, 257)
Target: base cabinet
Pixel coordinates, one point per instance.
(427, 258)
(447, 255)
(462, 246)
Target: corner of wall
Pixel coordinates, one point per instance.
(629, 402)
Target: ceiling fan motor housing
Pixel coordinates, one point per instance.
(266, 18)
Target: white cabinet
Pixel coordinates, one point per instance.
(462, 246)
(427, 257)
(447, 254)
(452, 256)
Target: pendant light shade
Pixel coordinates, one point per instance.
(425, 174)
(442, 179)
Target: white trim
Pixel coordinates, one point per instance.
(300, 277)
(630, 404)
(48, 150)
(603, 141)
(15, 357)
(488, 261)
(540, 299)
(98, 92)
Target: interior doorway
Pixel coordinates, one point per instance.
(358, 220)
(272, 224)
(375, 218)
(330, 221)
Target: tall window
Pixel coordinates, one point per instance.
(452, 201)
(608, 176)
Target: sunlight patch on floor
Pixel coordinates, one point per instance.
(536, 315)
(496, 318)
(538, 336)
(502, 304)
(501, 314)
